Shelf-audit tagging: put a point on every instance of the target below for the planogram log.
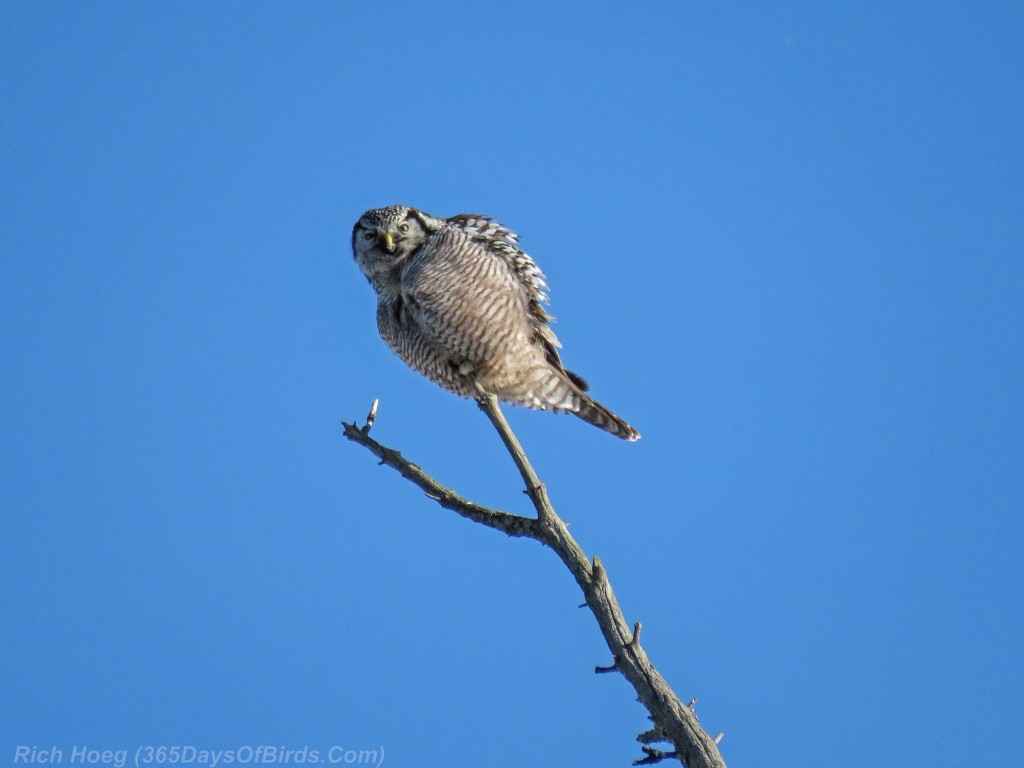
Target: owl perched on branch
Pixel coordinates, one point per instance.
(457, 298)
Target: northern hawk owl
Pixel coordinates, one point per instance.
(457, 297)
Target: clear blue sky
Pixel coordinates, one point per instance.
(786, 242)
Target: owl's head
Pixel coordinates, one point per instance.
(384, 238)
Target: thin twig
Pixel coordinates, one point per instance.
(534, 487)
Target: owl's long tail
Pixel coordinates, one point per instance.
(561, 390)
(593, 412)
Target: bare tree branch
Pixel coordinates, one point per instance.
(506, 522)
(673, 721)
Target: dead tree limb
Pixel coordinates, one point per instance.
(674, 721)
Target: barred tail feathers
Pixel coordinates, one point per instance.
(557, 390)
(593, 412)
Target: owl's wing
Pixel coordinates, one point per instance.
(461, 298)
(502, 243)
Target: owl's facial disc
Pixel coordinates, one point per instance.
(393, 236)
(383, 239)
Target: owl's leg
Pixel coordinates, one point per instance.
(458, 377)
(467, 370)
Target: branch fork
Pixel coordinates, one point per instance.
(674, 722)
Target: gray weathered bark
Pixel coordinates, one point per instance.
(673, 721)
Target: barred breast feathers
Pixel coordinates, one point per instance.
(503, 242)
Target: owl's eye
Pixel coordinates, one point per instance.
(404, 227)
(368, 235)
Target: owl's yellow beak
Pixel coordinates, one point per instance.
(389, 242)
